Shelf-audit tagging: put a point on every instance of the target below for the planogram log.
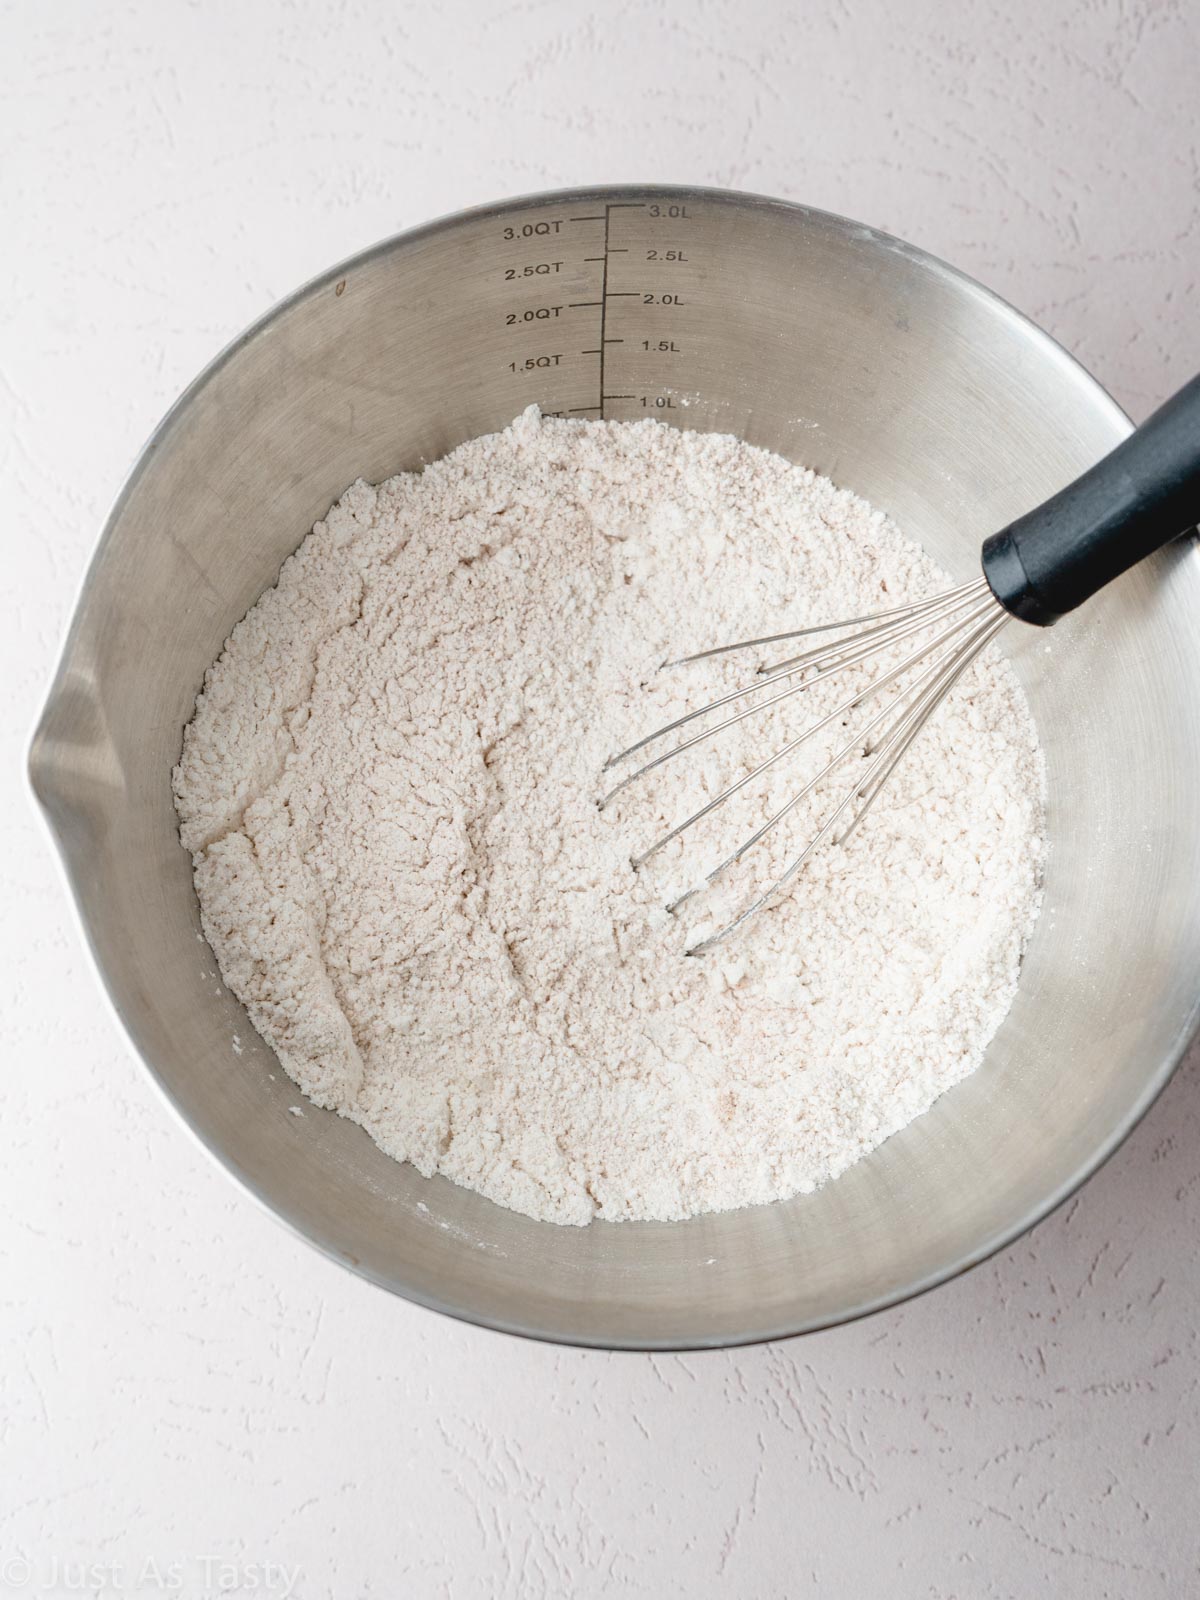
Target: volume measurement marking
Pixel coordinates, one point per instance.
(557, 229)
(606, 294)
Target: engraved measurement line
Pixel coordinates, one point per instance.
(610, 249)
(604, 303)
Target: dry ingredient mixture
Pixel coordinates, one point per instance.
(389, 791)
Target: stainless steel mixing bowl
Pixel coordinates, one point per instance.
(837, 346)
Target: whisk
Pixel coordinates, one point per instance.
(1134, 501)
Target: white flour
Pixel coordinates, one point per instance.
(390, 788)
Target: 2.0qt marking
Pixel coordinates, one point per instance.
(534, 314)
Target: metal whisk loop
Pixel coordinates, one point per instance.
(843, 654)
(920, 715)
(852, 704)
(852, 744)
(922, 617)
(976, 586)
(961, 622)
(891, 752)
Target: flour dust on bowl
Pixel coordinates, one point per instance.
(805, 334)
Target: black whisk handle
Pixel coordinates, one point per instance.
(1137, 499)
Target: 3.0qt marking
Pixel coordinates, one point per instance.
(533, 230)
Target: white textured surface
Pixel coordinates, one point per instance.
(180, 1379)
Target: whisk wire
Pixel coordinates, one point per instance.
(962, 622)
(891, 750)
(977, 585)
(903, 735)
(856, 700)
(853, 655)
(835, 761)
(933, 612)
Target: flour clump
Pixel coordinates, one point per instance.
(389, 793)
